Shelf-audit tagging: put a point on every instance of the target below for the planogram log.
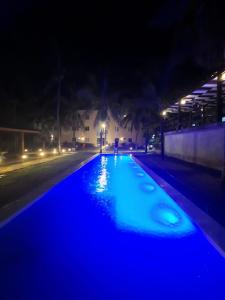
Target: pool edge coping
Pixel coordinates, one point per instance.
(211, 229)
(42, 194)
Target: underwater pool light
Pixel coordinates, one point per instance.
(166, 215)
(147, 187)
(139, 174)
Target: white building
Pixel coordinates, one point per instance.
(91, 134)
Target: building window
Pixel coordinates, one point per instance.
(87, 117)
(130, 140)
(86, 128)
(87, 140)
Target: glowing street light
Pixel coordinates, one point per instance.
(182, 101)
(24, 156)
(164, 112)
(223, 76)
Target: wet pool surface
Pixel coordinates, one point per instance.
(108, 231)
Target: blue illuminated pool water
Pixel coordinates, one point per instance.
(108, 232)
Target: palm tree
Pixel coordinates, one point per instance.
(142, 113)
(132, 117)
(72, 117)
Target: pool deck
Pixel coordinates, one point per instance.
(213, 231)
(200, 185)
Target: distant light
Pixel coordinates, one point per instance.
(153, 136)
(25, 150)
(63, 150)
(189, 97)
(69, 149)
(52, 137)
(121, 138)
(182, 101)
(201, 109)
(209, 85)
(40, 150)
(103, 125)
(131, 148)
(42, 154)
(223, 119)
(24, 156)
(164, 113)
(82, 138)
(223, 76)
(124, 116)
(54, 151)
(193, 124)
(200, 91)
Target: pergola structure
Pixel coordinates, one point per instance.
(208, 101)
(21, 133)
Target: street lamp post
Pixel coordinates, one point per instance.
(162, 120)
(102, 131)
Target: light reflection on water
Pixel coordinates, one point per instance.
(102, 180)
(135, 201)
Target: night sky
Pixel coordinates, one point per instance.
(172, 44)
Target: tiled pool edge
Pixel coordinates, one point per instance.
(53, 181)
(211, 229)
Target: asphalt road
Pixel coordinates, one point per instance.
(21, 187)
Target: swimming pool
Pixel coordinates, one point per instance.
(108, 231)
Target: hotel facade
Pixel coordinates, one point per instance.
(90, 132)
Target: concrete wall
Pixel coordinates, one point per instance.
(204, 146)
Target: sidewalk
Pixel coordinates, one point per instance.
(16, 165)
(200, 185)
